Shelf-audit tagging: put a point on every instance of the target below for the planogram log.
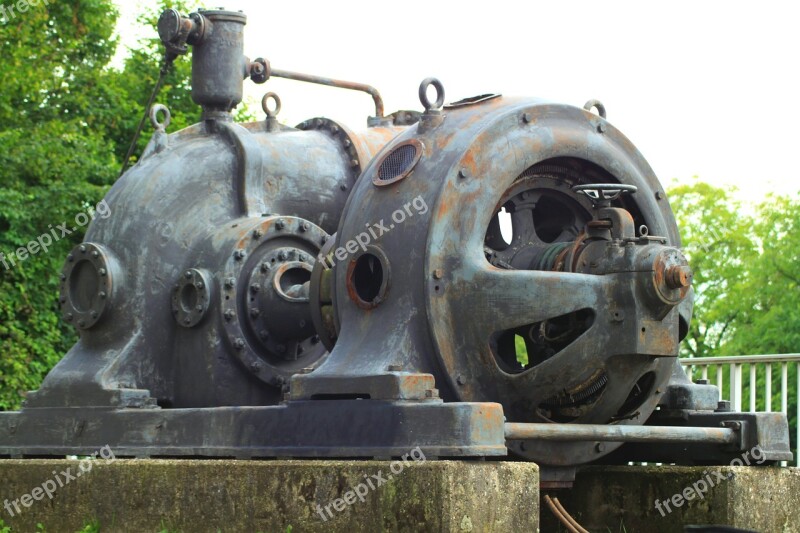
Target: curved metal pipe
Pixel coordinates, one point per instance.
(331, 82)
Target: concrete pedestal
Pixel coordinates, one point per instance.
(270, 496)
(623, 499)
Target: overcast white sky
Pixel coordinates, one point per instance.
(707, 88)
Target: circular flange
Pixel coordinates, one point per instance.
(262, 346)
(191, 297)
(343, 136)
(87, 283)
(323, 299)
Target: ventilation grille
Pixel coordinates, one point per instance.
(398, 163)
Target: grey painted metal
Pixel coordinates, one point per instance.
(237, 255)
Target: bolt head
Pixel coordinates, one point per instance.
(463, 173)
(255, 287)
(187, 274)
(82, 249)
(280, 224)
(282, 256)
(70, 258)
(258, 233)
(527, 118)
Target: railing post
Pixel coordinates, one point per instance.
(753, 387)
(768, 390)
(736, 387)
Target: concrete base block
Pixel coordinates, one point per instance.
(271, 496)
(623, 499)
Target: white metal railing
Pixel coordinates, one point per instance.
(757, 365)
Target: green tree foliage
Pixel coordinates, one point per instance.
(746, 271)
(66, 119)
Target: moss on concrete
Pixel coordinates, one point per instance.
(604, 498)
(271, 496)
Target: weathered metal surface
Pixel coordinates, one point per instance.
(320, 428)
(237, 256)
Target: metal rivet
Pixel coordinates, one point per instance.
(69, 317)
(302, 258)
(601, 128)
(304, 226)
(102, 295)
(70, 258)
(255, 287)
(230, 283)
(258, 234)
(199, 308)
(254, 312)
(239, 255)
(264, 334)
(238, 344)
(187, 274)
(255, 367)
(599, 447)
(82, 249)
(187, 320)
(343, 186)
(94, 314)
(463, 173)
(229, 314)
(461, 380)
(81, 323)
(200, 285)
(659, 195)
(281, 256)
(527, 118)
(95, 254)
(438, 273)
(280, 224)
(264, 267)
(102, 272)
